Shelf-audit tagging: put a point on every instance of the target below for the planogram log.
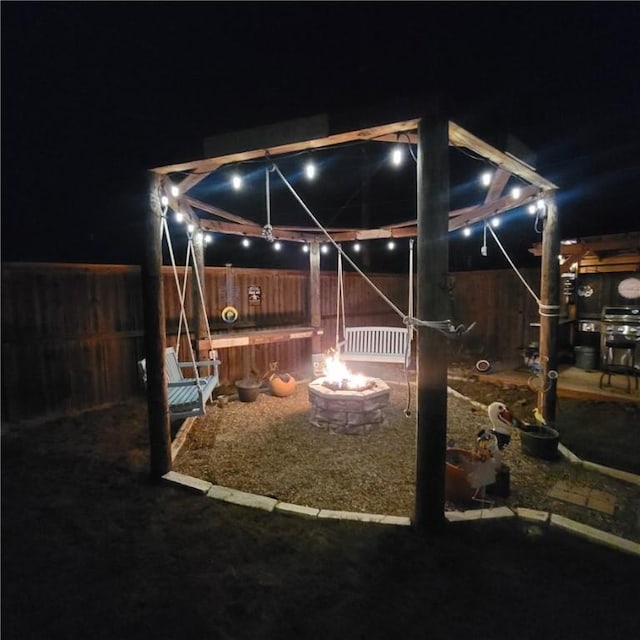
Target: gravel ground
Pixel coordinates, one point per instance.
(269, 447)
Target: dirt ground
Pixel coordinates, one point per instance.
(92, 548)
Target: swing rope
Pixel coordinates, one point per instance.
(183, 315)
(546, 310)
(444, 326)
(340, 315)
(200, 291)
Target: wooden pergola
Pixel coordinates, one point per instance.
(433, 134)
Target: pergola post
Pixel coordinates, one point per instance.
(549, 310)
(432, 304)
(154, 338)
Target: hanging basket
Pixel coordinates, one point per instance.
(282, 385)
(539, 441)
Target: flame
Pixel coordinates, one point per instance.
(337, 373)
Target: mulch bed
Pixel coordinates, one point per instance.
(270, 448)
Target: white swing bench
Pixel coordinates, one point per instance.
(187, 396)
(375, 344)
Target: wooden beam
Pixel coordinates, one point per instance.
(498, 183)
(459, 137)
(255, 231)
(209, 164)
(239, 338)
(217, 211)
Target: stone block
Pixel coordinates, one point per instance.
(187, 482)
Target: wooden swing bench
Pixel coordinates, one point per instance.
(374, 344)
(187, 396)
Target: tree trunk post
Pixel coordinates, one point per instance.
(432, 304)
(549, 311)
(154, 338)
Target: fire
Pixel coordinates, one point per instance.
(338, 375)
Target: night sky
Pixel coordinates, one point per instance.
(95, 94)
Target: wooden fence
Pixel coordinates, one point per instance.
(72, 334)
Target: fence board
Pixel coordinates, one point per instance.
(72, 334)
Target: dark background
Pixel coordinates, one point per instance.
(95, 94)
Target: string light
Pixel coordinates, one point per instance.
(486, 178)
(516, 192)
(324, 249)
(246, 243)
(356, 247)
(305, 248)
(277, 245)
(310, 170)
(466, 231)
(236, 181)
(391, 245)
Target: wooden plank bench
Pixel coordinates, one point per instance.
(187, 396)
(375, 344)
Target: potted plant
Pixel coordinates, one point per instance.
(248, 389)
(538, 440)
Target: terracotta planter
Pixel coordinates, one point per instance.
(539, 441)
(282, 385)
(248, 390)
(456, 483)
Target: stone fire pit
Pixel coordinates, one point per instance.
(348, 410)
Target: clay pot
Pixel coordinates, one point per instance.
(456, 486)
(282, 385)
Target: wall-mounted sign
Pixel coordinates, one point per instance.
(629, 288)
(585, 291)
(255, 294)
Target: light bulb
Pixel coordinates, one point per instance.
(486, 178)
(305, 248)
(495, 222)
(164, 201)
(236, 181)
(396, 156)
(540, 203)
(207, 238)
(466, 232)
(175, 192)
(246, 242)
(356, 247)
(515, 192)
(391, 245)
(324, 249)
(190, 228)
(277, 246)
(179, 216)
(531, 209)
(310, 170)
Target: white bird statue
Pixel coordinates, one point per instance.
(502, 421)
